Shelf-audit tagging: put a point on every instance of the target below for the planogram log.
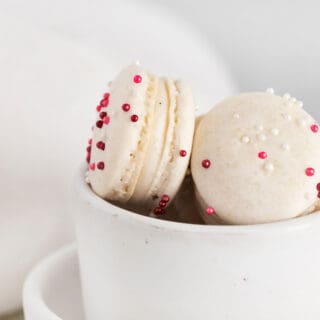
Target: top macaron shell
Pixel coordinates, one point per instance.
(117, 179)
(263, 153)
(142, 142)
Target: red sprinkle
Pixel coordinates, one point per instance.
(262, 155)
(158, 211)
(210, 211)
(106, 95)
(99, 124)
(100, 165)
(318, 186)
(90, 142)
(89, 149)
(310, 172)
(206, 163)
(98, 108)
(102, 115)
(101, 145)
(314, 128)
(162, 204)
(92, 166)
(134, 118)
(106, 120)
(137, 78)
(88, 157)
(318, 194)
(104, 102)
(165, 198)
(126, 107)
(183, 153)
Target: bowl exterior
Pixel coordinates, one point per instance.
(135, 267)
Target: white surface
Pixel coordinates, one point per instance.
(136, 267)
(56, 59)
(52, 291)
(266, 44)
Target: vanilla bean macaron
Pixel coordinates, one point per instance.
(142, 140)
(256, 159)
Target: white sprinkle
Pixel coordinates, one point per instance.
(275, 131)
(287, 116)
(286, 96)
(270, 90)
(299, 104)
(285, 146)
(290, 104)
(269, 167)
(302, 122)
(245, 139)
(236, 115)
(137, 63)
(259, 127)
(87, 180)
(262, 137)
(293, 100)
(196, 108)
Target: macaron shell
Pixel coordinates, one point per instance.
(260, 146)
(179, 135)
(121, 168)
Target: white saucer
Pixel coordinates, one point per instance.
(52, 290)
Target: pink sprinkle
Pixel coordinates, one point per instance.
(92, 166)
(106, 95)
(310, 172)
(162, 204)
(104, 102)
(100, 165)
(126, 107)
(206, 163)
(101, 145)
(90, 142)
(134, 118)
(314, 128)
(102, 115)
(262, 155)
(137, 78)
(183, 153)
(106, 120)
(165, 198)
(98, 108)
(158, 211)
(210, 211)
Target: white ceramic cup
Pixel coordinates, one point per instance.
(135, 267)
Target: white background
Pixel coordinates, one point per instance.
(56, 57)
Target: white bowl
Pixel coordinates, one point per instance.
(52, 290)
(154, 269)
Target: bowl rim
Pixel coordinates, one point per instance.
(84, 191)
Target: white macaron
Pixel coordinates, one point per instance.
(142, 140)
(256, 159)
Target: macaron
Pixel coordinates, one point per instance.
(256, 159)
(142, 140)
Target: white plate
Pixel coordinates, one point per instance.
(52, 290)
